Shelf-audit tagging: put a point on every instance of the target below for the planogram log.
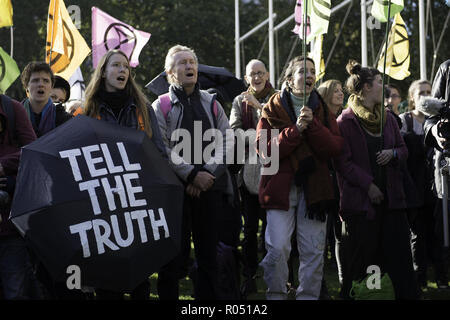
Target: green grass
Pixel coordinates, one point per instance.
(431, 292)
(331, 278)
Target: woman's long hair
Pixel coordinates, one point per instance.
(132, 89)
(326, 90)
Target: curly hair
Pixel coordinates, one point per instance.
(32, 67)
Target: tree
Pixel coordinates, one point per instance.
(208, 27)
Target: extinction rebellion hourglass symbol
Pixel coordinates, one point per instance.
(70, 43)
(125, 35)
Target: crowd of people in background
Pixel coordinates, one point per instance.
(358, 178)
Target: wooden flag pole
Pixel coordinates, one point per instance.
(53, 31)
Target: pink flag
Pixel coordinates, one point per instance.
(109, 33)
(298, 16)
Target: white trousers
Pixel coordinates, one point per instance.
(310, 243)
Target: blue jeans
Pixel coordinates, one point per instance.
(16, 273)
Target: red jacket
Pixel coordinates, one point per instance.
(324, 142)
(10, 154)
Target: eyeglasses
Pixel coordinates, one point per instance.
(259, 74)
(394, 96)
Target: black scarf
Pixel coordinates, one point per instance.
(114, 100)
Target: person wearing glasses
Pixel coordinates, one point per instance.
(245, 114)
(394, 99)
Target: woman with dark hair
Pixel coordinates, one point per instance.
(113, 96)
(301, 193)
(372, 200)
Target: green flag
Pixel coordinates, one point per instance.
(380, 9)
(319, 12)
(8, 70)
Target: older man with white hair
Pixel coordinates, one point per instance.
(189, 112)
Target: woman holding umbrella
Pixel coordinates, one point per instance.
(301, 193)
(113, 96)
(371, 187)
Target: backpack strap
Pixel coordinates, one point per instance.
(78, 111)
(8, 108)
(140, 120)
(214, 111)
(165, 104)
(409, 122)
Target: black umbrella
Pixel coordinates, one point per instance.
(208, 77)
(101, 197)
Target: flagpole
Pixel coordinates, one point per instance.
(12, 42)
(305, 24)
(384, 73)
(53, 30)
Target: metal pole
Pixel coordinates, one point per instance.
(437, 47)
(12, 42)
(363, 33)
(422, 42)
(339, 34)
(236, 40)
(444, 175)
(259, 26)
(271, 45)
(333, 10)
(384, 72)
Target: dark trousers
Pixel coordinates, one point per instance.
(383, 241)
(16, 273)
(417, 218)
(439, 254)
(252, 213)
(200, 218)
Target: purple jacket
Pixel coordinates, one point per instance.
(10, 153)
(353, 166)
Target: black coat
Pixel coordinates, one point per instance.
(441, 90)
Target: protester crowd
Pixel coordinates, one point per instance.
(361, 176)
